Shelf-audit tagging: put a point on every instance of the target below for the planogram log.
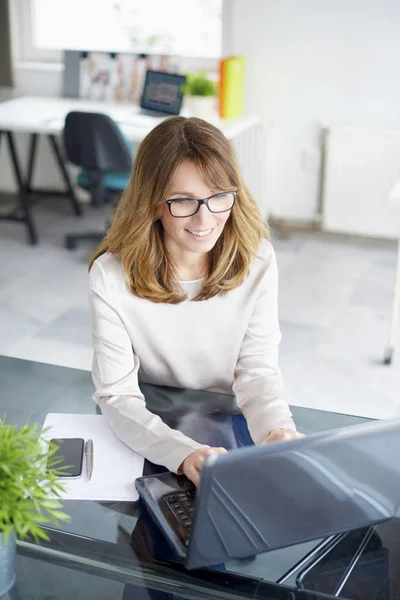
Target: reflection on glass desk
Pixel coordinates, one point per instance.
(118, 544)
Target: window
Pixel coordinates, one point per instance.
(190, 28)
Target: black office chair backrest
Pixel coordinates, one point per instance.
(94, 142)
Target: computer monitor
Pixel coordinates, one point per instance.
(162, 92)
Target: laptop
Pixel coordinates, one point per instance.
(260, 498)
(161, 97)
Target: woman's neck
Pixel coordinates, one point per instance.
(191, 268)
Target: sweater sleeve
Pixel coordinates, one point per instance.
(115, 376)
(258, 383)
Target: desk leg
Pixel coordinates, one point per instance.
(391, 345)
(64, 172)
(23, 213)
(31, 163)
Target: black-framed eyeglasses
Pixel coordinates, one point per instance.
(187, 207)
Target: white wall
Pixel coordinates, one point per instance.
(311, 62)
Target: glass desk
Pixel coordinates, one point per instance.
(106, 550)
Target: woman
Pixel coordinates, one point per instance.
(184, 293)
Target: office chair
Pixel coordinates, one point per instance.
(94, 142)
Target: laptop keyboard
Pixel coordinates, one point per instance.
(182, 506)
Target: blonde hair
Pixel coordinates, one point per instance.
(135, 235)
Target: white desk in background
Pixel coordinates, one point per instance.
(46, 116)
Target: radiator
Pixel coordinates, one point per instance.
(250, 148)
(360, 168)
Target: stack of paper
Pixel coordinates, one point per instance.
(115, 465)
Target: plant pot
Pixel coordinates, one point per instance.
(203, 107)
(7, 561)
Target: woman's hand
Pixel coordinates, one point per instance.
(282, 435)
(193, 463)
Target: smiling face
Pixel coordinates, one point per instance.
(190, 238)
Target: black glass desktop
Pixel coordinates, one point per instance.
(106, 550)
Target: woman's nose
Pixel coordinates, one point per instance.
(203, 214)
(202, 217)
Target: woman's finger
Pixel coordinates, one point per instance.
(194, 475)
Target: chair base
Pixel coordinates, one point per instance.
(72, 240)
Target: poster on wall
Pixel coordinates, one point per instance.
(117, 77)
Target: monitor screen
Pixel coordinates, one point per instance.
(162, 92)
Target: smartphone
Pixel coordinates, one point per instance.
(70, 451)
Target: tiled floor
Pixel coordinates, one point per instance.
(335, 303)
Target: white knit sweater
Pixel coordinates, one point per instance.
(226, 344)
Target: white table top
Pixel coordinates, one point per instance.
(46, 116)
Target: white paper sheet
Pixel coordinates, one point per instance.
(115, 465)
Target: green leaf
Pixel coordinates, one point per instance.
(50, 503)
(29, 481)
(6, 469)
(39, 518)
(61, 516)
(198, 84)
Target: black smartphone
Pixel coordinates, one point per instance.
(70, 451)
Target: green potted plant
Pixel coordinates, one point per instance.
(200, 94)
(29, 491)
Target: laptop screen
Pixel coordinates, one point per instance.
(162, 92)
